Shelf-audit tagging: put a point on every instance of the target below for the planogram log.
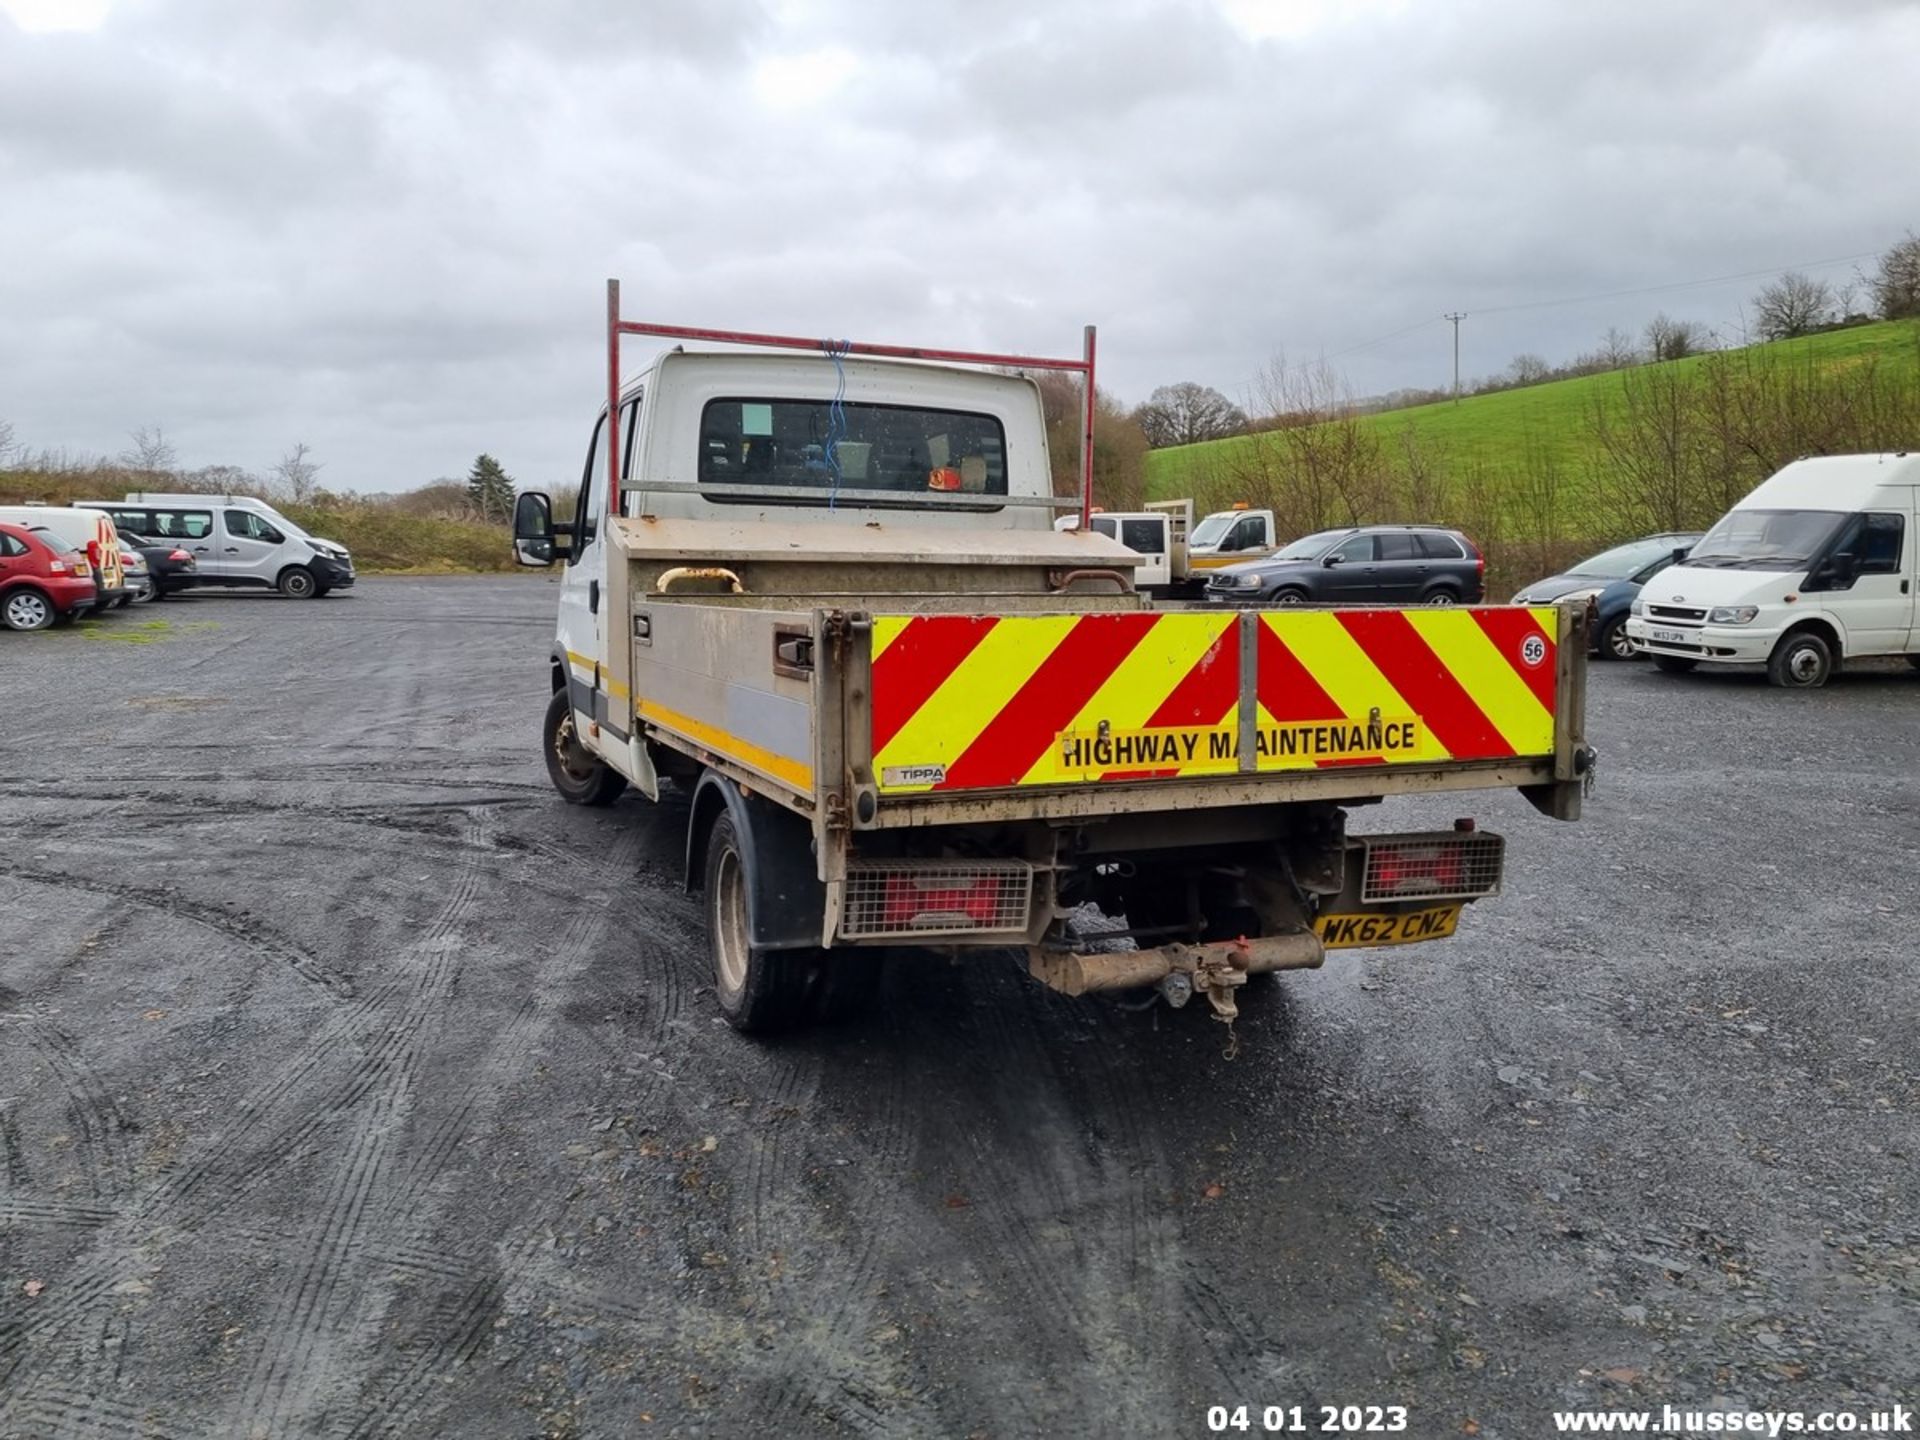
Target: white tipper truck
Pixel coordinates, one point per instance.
(822, 592)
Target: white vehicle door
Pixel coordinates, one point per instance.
(249, 548)
(583, 618)
(1876, 610)
(1148, 536)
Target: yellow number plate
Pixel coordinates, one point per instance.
(1408, 927)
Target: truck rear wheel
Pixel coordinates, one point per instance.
(762, 992)
(580, 776)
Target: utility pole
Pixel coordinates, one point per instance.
(1456, 316)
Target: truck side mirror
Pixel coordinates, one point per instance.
(1680, 553)
(533, 543)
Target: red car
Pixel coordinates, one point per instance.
(41, 581)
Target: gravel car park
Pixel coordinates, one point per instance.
(351, 1084)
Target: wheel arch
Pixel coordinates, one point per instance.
(1825, 627)
(786, 900)
(280, 575)
(28, 585)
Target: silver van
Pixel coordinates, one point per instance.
(236, 541)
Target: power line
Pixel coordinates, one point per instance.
(1674, 285)
(1456, 317)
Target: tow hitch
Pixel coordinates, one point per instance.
(1214, 968)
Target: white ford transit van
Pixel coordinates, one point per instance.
(1816, 566)
(237, 541)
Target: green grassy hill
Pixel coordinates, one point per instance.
(1512, 429)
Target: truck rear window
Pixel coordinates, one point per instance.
(897, 448)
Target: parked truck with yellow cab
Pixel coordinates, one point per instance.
(817, 586)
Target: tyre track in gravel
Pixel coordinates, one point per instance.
(106, 1158)
(404, 1401)
(1175, 1301)
(816, 1274)
(289, 1373)
(245, 1156)
(53, 1416)
(250, 934)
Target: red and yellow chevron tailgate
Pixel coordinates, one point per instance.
(977, 702)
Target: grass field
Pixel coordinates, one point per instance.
(1555, 420)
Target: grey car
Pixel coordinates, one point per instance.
(1359, 565)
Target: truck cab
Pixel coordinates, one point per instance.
(1227, 537)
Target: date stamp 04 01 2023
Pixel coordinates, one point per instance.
(1307, 1419)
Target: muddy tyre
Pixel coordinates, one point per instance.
(1801, 661)
(580, 776)
(761, 992)
(765, 992)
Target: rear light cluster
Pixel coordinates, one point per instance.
(927, 898)
(1455, 865)
(181, 556)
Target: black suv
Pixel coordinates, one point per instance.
(1361, 565)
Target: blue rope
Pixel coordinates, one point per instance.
(837, 350)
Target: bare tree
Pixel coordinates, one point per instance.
(1186, 413)
(1119, 449)
(1617, 349)
(1791, 306)
(1896, 284)
(1528, 369)
(1317, 463)
(6, 441)
(297, 474)
(1418, 483)
(221, 480)
(151, 452)
(1670, 339)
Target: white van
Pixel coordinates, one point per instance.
(89, 530)
(1816, 566)
(236, 541)
(1145, 532)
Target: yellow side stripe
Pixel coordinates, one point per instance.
(721, 742)
(586, 663)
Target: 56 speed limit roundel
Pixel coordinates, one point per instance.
(1533, 649)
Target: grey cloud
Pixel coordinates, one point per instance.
(383, 228)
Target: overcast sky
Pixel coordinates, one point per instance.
(383, 227)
